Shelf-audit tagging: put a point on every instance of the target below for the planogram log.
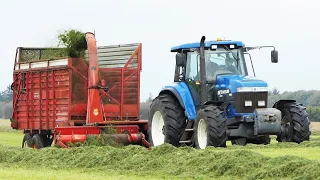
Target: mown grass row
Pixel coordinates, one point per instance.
(234, 162)
(165, 161)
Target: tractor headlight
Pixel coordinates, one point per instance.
(261, 103)
(247, 103)
(252, 89)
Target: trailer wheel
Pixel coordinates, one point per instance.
(27, 140)
(167, 121)
(47, 140)
(37, 141)
(294, 124)
(210, 128)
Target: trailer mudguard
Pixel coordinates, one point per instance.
(181, 91)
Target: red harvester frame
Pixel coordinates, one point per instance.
(63, 112)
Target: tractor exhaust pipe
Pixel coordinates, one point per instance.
(203, 77)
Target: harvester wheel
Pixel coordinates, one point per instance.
(210, 128)
(294, 124)
(27, 140)
(167, 121)
(37, 141)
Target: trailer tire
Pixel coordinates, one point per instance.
(166, 115)
(27, 141)
(212, 125)
(37, 141)
(294, 124)
(47, 140)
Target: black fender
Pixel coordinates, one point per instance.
(175, 94)
(280, 104)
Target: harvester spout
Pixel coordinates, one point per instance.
(94, 108)
(93, 60)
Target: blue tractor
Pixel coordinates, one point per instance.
(213, 100)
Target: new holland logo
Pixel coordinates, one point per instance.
(95, 111)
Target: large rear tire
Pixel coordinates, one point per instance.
(167, 121)
(210, 128)
(294, 124)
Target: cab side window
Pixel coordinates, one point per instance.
(193, 66)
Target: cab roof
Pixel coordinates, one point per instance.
(207, 44)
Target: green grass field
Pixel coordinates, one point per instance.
(277, 160)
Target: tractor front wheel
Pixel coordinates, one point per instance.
(210, 128)
(294, 124)
(167, 121)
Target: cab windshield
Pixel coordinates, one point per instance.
(219, 61)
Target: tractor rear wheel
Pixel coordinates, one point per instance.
(210, 128)
(294, 124)
(167, 121)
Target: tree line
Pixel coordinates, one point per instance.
(310, 99)
(6, 103)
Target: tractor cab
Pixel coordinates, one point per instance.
(221, 57)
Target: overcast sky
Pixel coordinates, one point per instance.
(291, 26)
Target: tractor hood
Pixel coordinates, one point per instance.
(232, 82)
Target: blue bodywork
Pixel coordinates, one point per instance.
(183, 94)
(231, 82)
(207, 44)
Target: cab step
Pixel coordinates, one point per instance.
(187, 135)
(186, 141)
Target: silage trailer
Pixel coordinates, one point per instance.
(63, 100)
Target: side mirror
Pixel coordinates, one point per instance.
(181, 59)
(274, 56)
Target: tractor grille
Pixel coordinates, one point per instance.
(250, 96)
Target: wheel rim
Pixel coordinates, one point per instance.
(202, 134)
(157, 129)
